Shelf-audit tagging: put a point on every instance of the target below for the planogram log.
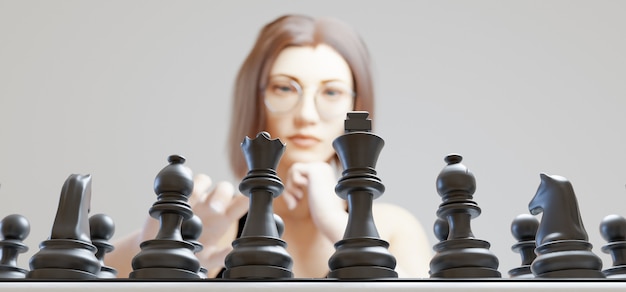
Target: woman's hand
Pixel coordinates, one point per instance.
(313, 185)
(220, 211)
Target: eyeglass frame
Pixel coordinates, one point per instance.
(301, 90)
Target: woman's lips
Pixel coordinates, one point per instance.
(303, 140)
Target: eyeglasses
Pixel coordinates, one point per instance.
(332, 99)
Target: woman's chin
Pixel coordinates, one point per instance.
(305, 157)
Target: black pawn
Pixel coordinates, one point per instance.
(280, 225)
(460, 255)
(613, 230)
(361, 254)
(441, 229)
(69, 253)
(168, 256)
(14, 228)
(524, 227)
(191, 230)
(102, 228)
(563, 249)
(259, 253)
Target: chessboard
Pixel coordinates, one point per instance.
(555, 252)
(397, 285)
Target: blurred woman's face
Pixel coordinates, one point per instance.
(309, 92)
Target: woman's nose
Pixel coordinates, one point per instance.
(307, 109)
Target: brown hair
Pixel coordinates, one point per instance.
(248, 117)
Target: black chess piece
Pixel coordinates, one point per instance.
(191, 229)
(68, 254)
(361, 254)
(524, 227)
(441, 229)
(280, 225)
(563, 249)
(460, 255)
(101, 228)
(14, 228)
(259, 253)
(168, 256)
(613, 230)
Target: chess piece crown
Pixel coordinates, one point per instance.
(259, 253)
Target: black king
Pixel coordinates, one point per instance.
(361, 254)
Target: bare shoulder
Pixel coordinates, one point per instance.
(391, 218)
(391, 211)
(406, 237)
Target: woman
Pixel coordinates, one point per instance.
(300, 79)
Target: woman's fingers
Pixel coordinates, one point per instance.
(237, 207)
(220, 197)
(295, 185)
(201, 186)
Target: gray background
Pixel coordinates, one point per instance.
(112, 88)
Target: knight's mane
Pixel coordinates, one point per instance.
(566, 189)
(573, 205)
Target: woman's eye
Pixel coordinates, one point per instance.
(333, 92)
(283, 89)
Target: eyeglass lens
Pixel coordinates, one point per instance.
(333, 98)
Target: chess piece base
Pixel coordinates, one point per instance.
(166, 254)
(257, 272)
(467, 272)
(202, 273)
(464, 258)
(64, 259)
(573, 273)
(258, 257)
(60, 274)
(371, 272)
(522, 272)
(566, 259)
(362, 257)
(618, 272)
(162, 273)
(107, 273)
(10, 272)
